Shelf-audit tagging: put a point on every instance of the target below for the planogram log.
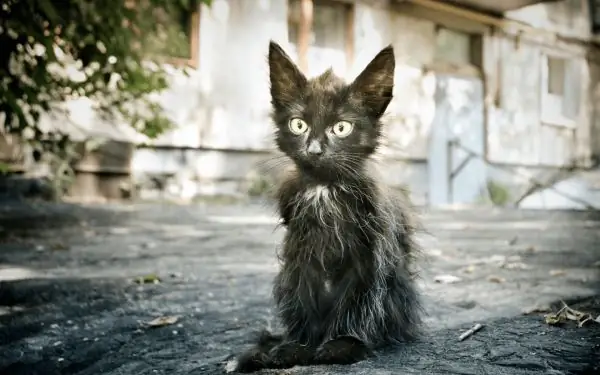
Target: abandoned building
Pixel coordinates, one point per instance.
(487, 93)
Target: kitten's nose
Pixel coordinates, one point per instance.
(314, 148)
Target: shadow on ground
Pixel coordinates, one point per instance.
(83, 314)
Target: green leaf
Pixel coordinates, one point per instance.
(48, 9)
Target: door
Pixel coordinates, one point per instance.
(456, 164)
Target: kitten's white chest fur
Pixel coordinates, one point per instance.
(323, 199)
(317, 194)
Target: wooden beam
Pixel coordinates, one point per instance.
(350, 9)
(304, 32)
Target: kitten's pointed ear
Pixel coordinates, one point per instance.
(375, 84)
(286, 78)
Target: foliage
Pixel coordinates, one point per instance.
(55, 51)
(107, 51)
(499, 194)
(259, 186)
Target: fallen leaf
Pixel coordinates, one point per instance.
(516, 266)
(557, 272)
(496, 279)
(162, 321)
(148, 279)
(554, 319)
(59, 246)
(581, 323)
(447, 279)
(119, 230)
(531, 249)
(567, 313)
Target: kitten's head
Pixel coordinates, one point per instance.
(328, 127)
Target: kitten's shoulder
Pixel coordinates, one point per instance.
(290, 181)
(289, 185)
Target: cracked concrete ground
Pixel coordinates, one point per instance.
(69, 305)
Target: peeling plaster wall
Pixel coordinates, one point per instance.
(523, 147)
(567, 17)
(517, 131)
(410, 114)
(224, 104)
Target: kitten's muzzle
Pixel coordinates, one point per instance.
(314, 148)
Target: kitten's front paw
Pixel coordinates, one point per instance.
(343, 350)
(250, 361)
(290, 354)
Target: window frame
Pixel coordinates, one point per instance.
(474, 68)
(193, 60)
(549, 100)
(349, 9)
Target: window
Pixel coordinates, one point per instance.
(594, 6)
(556, 76)
(177, 33)
(457, 48)
(560, 91)
(330, 38)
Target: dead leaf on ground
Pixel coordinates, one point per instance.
(558, 272)
(515, 266)
(566, 313)
(496, 279)
(447, 279)
(162, 321)
(554, 319)
(59, 246)
(531, 249)
(147, 279)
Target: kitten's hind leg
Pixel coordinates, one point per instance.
(343, 350)
(257, 357)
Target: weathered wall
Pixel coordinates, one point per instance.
(222, 108)
(566, 17)
(224, 104)
(526, 145)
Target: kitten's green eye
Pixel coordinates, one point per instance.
(298, 126)
(342, 129)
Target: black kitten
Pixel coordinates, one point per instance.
(345, 286)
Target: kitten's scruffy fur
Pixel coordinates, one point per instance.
(346, 285)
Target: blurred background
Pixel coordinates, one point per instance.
(494, 100)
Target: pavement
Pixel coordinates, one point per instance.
(161, 288)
